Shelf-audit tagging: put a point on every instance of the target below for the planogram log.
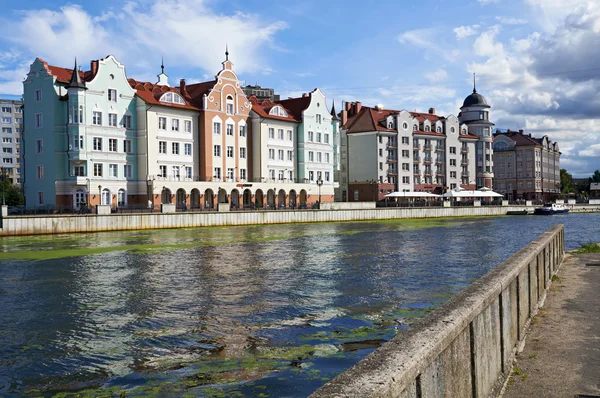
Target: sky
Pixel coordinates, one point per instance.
(536, 61)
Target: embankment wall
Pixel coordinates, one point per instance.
(465, 347)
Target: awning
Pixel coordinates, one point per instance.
(472, 194)
(412, 195)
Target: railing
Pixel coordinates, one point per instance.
(466, 150)
(416, 147)
(440, 149)
(427, 147)
(391, 146)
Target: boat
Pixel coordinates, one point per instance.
(517, 213)
(551, 208)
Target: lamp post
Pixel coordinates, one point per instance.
(319, 184)
(100, 194)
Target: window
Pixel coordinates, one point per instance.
(230, 173)
(187, 126)
(380, 139)
(229, 151)
(162, 123)
(272, 154)
(217, 172)
(318, 137)
(405, 125)
(453, 174)
(217, 128)
(319, 157)
(271, 133)
(281, 175)
(39, 146)
(291, 175)
(230, 129)
(112, 119)
(311, 156)
(452, 162)
(405, 167)
(112, 170)
(327, 176)
(243, 174)
(175, 124)
(39, 120)
(405, 140)
(7, 160)
(405, 153)
(40, 198)
(187, 149)
(242, 131)
(127, 121)
(112, 95)
(162, 171)
(175, 148)
(405, 180)
(40, 172)
(290, 135)
(380, 152)
(112, 145)
(7, 130)
(79, 171)
(127, 146)
(162, 146)
(172, 98)
(7, 150)
(426, 128)
(242, 153)
(38, 95)
(272, 174)
(127, 171)
(452, 130)
(97, 169)
(311, 136)
(7, 120)
(453, 150)
(290, 156)
(280, 134)
(327, 158)
(229, 102)
(6, 140)
(318, 118)
(439, 129)
(380, 165)
(18, 110)
(175, 170)
(7, 109)
(97, 144)
(280, 154)
(415, 127)
(188, 172)
(326, 138)
(217, 150)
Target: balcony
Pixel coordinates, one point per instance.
(427, 147)
(440, 161)
(416, 147)
(416, 160)
(464, 163)
(417, 172)
(440, 149)
(464, 150)
(427, 161)
(391, 159)
(464, 175)
(391, 146)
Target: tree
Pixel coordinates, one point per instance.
(595, 177)
(566, 182)
(12, 194)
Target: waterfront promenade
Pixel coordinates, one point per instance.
(561, 356)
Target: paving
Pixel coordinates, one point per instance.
(561, 356)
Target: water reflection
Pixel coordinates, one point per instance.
(272, 309)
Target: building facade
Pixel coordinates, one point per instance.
(261, 93)
(526, 167)
(11, 121)
(383, 151)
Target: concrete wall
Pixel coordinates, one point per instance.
(465, 347)
(34, 225)
(347, 205)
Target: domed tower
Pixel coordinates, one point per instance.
(474, 114)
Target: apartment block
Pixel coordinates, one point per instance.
(11, 122)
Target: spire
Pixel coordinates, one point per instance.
(162, 65)
(76, 78)
(474, 88)
(334, 115)
(163, 79)
(226, 52)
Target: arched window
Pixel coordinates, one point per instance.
(80, 113)
(121, 198)
(106, 197)
(173, 98)
(278, 111)
(404, 125)
(426, 128)
(439, 129)
(464, 131)
(500, 146)
(452, 130)
(415, 127)
(229, 102)
(79, 198)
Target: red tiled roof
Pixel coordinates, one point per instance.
(434, 133)
(262, 108)
(468, 137)
(368, 119)
(63, 75)
(196, 92)
(296, 105)
(151, 94)
(422, 116)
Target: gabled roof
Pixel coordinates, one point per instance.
(151, 94)
(422, 116)
(262, 109)
(296, 105)
(369, 119)
(196, 92)
(64, 75)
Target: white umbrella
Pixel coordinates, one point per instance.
(472, 194)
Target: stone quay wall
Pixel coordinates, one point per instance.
(58, 224)
(466, 346)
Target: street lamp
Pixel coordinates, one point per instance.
(100, 194)
(319, 184)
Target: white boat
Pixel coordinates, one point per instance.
(551, 208)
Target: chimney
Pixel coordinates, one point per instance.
(94, 67)
(347, 106)
(521, 131)
(432, 111)
(182, 88)
(344, 116)
(358, 106)
(305, 95)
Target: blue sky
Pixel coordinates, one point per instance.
(536, 60)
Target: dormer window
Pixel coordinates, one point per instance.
(427, 128)
(229, 102)
(278, 111)
(391, 125)
(439, 129)
(464, 131)
(415, 127)
(172, 98)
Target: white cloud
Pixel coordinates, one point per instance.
(511, 20)
(486, 2)
(437, 75)
(427, 39)
(465, 31)
(486, 45)
(592, 150)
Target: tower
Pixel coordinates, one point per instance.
(163, 79)
(474, 115)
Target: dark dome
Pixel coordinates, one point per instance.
(475, 99)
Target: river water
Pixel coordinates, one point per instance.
(240, 311)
